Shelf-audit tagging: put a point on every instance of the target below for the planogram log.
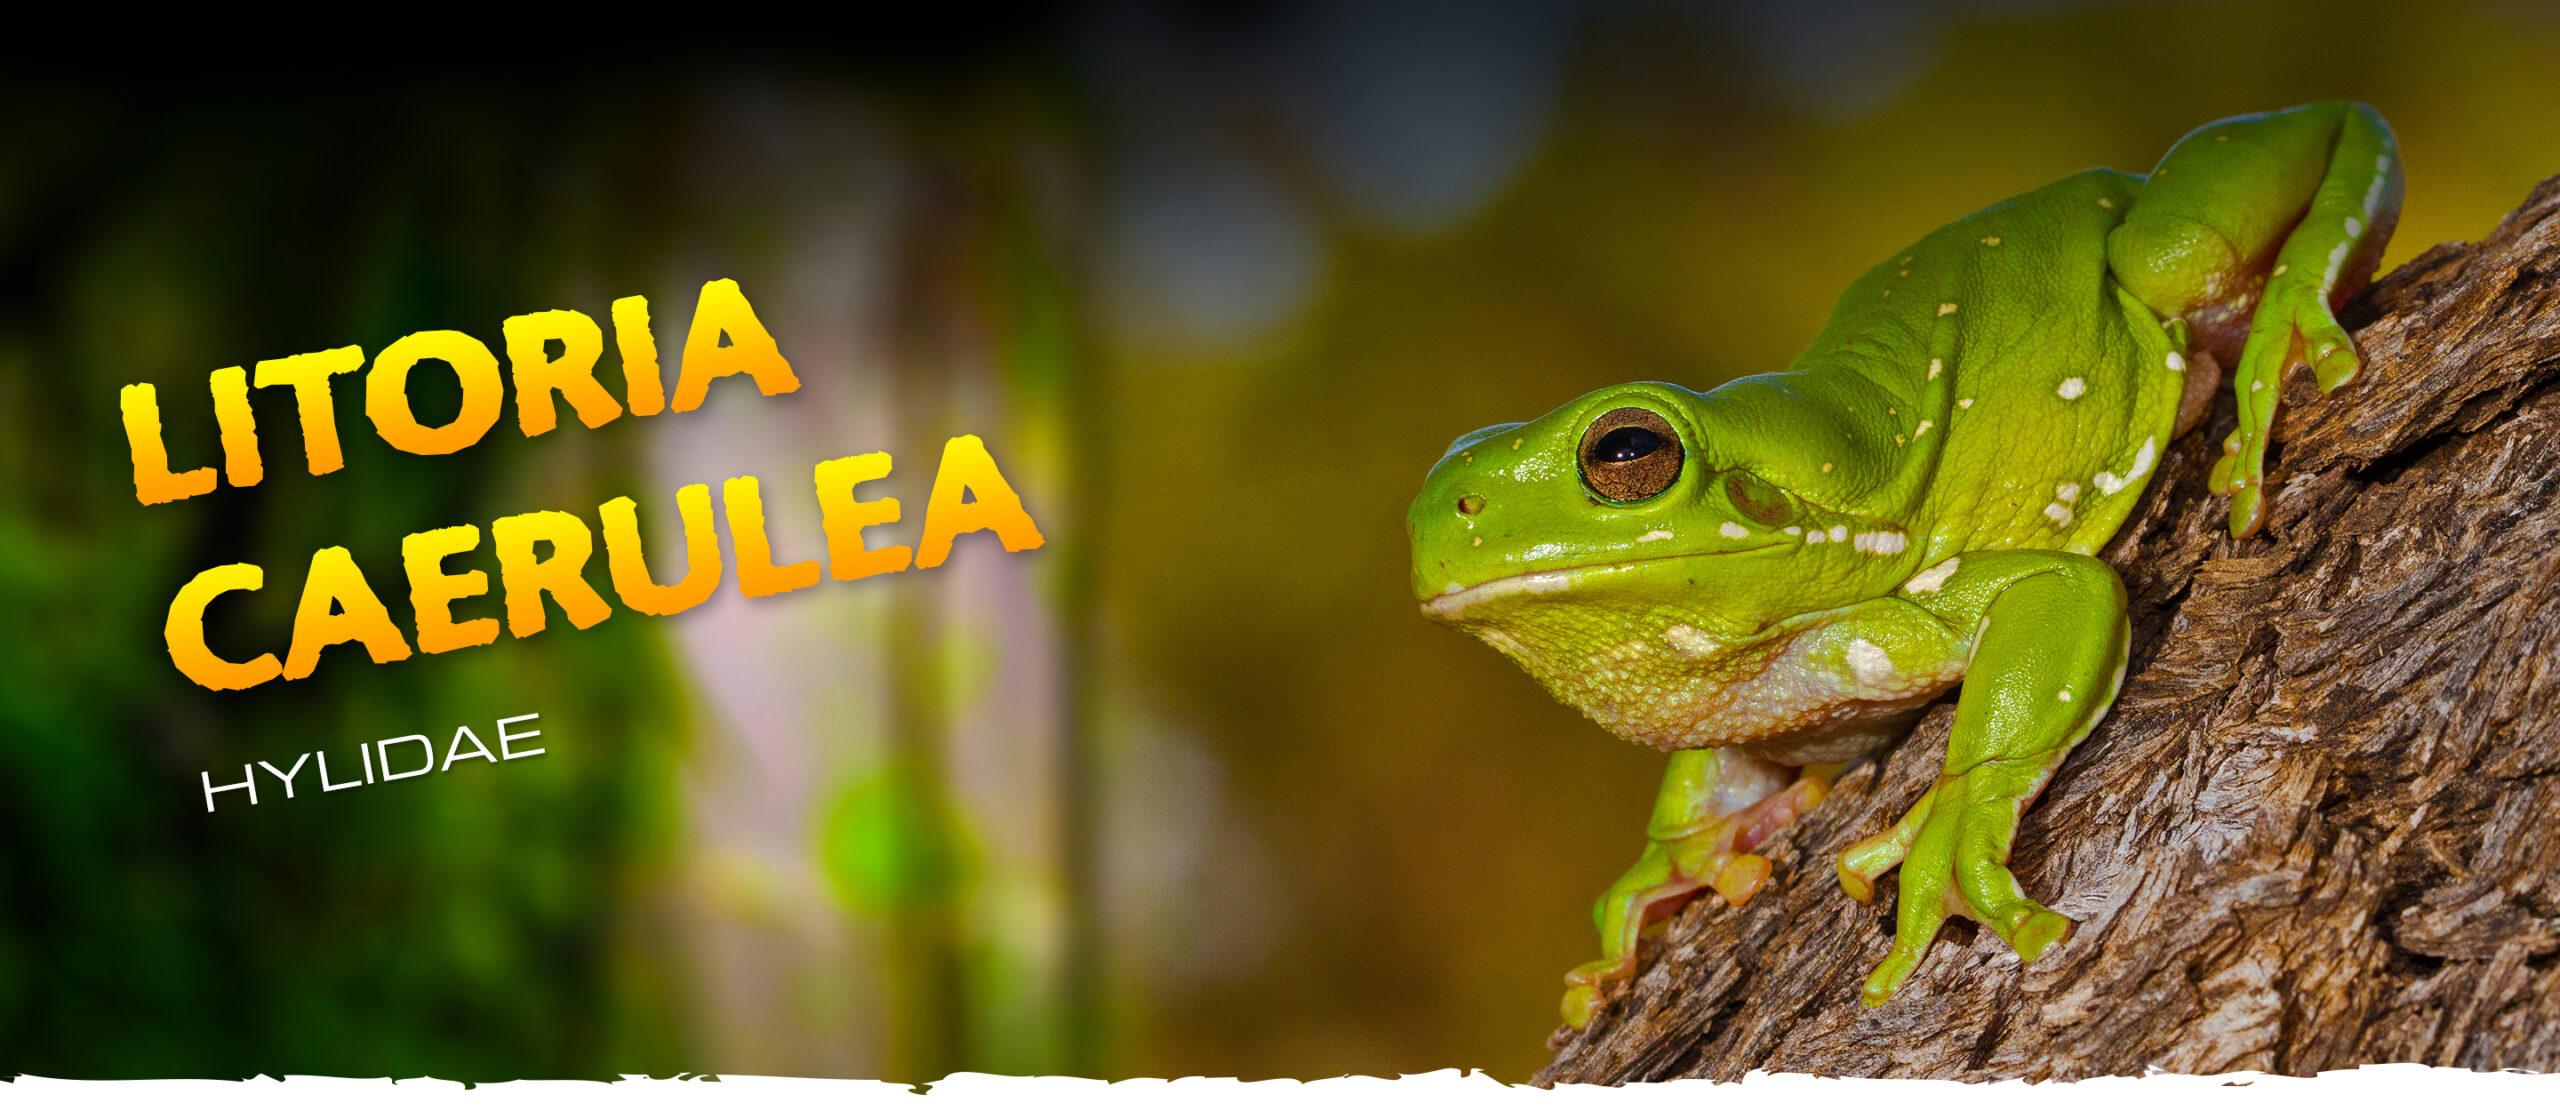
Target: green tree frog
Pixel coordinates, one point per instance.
(1772, 578)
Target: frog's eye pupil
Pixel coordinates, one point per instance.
(1630, 454)
(1626, 445)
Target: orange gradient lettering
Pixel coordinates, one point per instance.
(339, 606)
(433, 591)
(386, 392)
(152, 482)
(757, 576)
(723, 314)
(572, 375)
(309, 376)
(845, 518)
(526, 578)
(231, 413)
(630, 567)
(185, 630)
(642, 389)
(968, 469)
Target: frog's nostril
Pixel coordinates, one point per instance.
(1471, 504)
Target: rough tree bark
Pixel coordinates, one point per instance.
(2322, 826)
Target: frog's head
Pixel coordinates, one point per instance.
(1603, 530)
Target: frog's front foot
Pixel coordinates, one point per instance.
(1711, 853)
(1953, 848)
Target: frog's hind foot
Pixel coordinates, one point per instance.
(2294, 327)
(2329, 255)
(2276, 219)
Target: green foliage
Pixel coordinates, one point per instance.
(477, 922)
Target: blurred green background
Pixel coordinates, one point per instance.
(1189, 790)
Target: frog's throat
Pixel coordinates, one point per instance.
(1452, 604)
(1672, 685)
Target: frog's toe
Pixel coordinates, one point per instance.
(2248, 511)
(1583, 986)
(2225, 476)
(1886, 980)
(2041, 931)
(1857, 883)
(1861, 863)
(1740, 877)
(1581, 1001)
(2029, 929)
(2325, 345)
(1868, 859)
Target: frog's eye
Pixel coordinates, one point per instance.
(1630, 454)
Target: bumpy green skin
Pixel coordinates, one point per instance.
(1912, 504)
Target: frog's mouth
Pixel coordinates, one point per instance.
(1457, 600)
(1453, 603)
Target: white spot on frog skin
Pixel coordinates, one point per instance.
(2177, 361)
(1792, 530)
(2108, 483)
(1734, 531)
(2143, 459)
(2071, 389)
(1544, 551)
(1924, 427)
(1687, 641)
(2067, 492)
(1839, 532)
(2063, 695)
(1881, 543)
(1660, 534)
(2060, 513)
(1964, 403)
(2256, 386)
(2104, 202)
(2337, 258)
(2355, 227)
(1935, 365)
(1990, 241)
(1946, 308)
(1870, 664)
(1928, 582)
(1815, 537)
(2280, 268)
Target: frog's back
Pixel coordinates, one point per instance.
(2004, 392)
